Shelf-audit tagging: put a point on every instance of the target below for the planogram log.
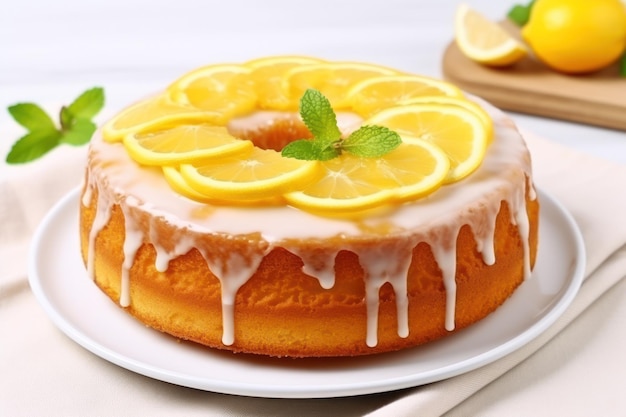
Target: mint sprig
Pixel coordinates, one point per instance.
(75, 126)
(520, 14)
(622, 66)
(327, 143)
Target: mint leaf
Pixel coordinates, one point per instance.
(327, 143)
(301, 149)
(66, 118)
(88, 104)
(326, 151)
(309, 150)
(75, 121)
(33, 145)
(79, 133)
(318, 115)
(622, 66)
(520, 14)
(371, 141)
(32, 117)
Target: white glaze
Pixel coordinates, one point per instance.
(435, 219)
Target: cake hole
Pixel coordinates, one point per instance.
(272, 134)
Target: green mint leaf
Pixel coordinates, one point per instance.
(371, 141)
(519, 14)
(33, 145)
(327, 143)
(88, 104)
(326, 151)
(79, 133)
(301, 149)
(75, 121)
(66, 118)
(32, 117)
(319, 117)
(309, 150)
(622, 66)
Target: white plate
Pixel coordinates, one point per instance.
(85, 314)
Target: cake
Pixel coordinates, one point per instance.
(263, 276)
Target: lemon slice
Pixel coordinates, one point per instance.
(278, 62)
(152, 113)
(178, 184)
(264, 173)
(267, 75)
(333, 80)
(459, 132)
(377, 93)
(184, 143)
(225, 88)
(352, 184)
(456, 101)
(485, 41)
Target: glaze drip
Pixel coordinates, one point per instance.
(103, 215)
(233, 271)
(133, 240)
(445, 255)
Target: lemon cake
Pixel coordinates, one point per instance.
(195, 221)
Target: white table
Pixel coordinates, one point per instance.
(50, 51)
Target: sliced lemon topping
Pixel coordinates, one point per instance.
(178, 183)
(153, 113)
(185, 131)
(352, 184)
(226, 89)
(459, 102)
(459, 132)
(377, 93)
(184, 143)
(261, 174)
(267, 75)
(333, 80)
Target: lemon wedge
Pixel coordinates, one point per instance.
(485, 41)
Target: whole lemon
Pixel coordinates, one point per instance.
(577, 36)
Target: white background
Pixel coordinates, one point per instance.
(50, 51)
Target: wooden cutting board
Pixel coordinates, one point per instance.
(530, 87)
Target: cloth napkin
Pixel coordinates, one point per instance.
(576, 367)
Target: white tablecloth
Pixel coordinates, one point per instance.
(51, 51)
